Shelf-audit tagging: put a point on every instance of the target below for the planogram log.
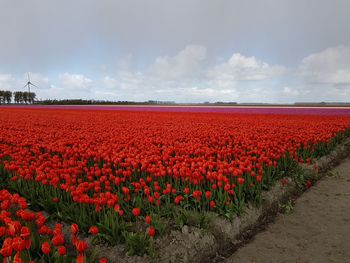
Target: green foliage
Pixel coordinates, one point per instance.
(333, 174)
(112, 229)
(233, 210)
(287, 208)
(138, 243)
(159, 224)
(201, 220)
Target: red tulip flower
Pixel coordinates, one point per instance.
(148, 220)
(62, 250)
(207, 194)
(6, 250)
(46, 248)
(74, 229)
(151, 231)
(81, 246)
(58, 240)
(240, 180)
(212, 204)
(136, 212)
(18, 244)
(25, 232)
(93, 230)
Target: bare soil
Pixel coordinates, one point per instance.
(317, 230)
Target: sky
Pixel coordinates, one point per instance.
(274, 51)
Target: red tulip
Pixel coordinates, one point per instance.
(74, 229)
(46, 248)
(178, 199)
(18, 244)
(2, 231)
(6, 250)
(148, 220)
(93, 230)
(62, 250)
(212, 204)
(80, 258)
(207, 194)
(151, 231)
(58, 240)
(240, 180)
(81, 246)
(136, 212)
(25, 232)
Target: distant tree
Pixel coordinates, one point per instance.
(2, 95)
(8, 96)
(19, 97)
(16, 96)
(31, 97)
(22, 97)
(26, 97)
(5, 96)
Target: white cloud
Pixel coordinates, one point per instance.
(187, 63)
(187, 77)
(109, 82)
(125, 62)
(6, 82)
(75, 82)
(184, 78)
(330, 66)
(39, 80)
(242, 68)
(290, 92)
(10, 82)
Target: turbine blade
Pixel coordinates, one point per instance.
(34, 85)
(28, 77)
(25, 85)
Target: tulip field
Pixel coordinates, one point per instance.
(124, 176)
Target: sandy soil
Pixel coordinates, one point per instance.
(318, 229)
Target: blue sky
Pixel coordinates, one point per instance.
(184, 51)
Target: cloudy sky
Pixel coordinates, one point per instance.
(183, 50)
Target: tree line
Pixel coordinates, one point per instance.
(98, 102)
(5, 96)
(18, 96)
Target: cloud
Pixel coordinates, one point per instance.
(242, 68)
(75, 82)
(125, 62)
(185, 78)
(109, 82)
(188, 77)
(187, 63)
(39, 80)
(330, 66)
(10, 82)
(290, 92)
(6, 82)
(38, 39)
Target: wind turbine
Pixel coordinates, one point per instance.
(30, 98)
(29, 83)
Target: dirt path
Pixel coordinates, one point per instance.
(318, 229)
